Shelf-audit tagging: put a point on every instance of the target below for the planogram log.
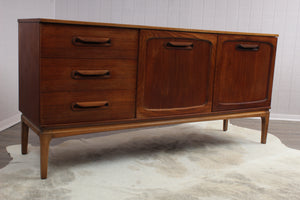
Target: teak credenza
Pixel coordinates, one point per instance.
(84, 77)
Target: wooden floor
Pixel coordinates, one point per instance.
(288, 132)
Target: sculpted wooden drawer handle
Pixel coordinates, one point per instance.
(183, 45)
(248, 47)
(89, 105)
(80, 40)
(86, 74)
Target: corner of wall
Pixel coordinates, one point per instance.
(4, 124)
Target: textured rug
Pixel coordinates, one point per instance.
(179, 162)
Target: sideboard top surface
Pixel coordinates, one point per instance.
(44, 20)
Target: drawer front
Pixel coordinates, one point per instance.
(87, 74)
(58, 108)
(75, 41)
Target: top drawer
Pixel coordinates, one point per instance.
(75, 41)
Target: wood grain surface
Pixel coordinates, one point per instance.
(244, 72)
(85, 23)
(175, 73)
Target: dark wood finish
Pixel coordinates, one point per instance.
(175, 73)
(244, 72)
(58, 107)
(24, 137)
(57, 74)
(225, 124)
(44, 151)
(84, 78)
(71, 131)
(57, 41)
(159, 118)
(44, 144)
(264, 127)
(129, 26)
(29, 64)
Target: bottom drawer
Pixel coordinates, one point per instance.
(58, 108)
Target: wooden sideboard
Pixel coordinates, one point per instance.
(84, 77)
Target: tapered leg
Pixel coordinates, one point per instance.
(264, 127)
(24, 138)
(225, 124)
(44, 150)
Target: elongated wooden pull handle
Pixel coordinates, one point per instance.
(186, 45)
(249, 47)
(85, 74)
(81, 40)
(89, 105)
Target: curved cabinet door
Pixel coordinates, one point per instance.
(175, 73)
(244, 72)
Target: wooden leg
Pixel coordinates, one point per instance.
(225, 124)
(24, 138)
(44, 150)
(264, 127)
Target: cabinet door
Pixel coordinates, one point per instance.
(244, 72)
(175, 73)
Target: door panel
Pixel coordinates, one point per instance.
(175, 73)
(244, 72)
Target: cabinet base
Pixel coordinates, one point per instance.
(46, 135)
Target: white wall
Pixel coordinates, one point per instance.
(261, 16)
(264, 16)
(10, 11)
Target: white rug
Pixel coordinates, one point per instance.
(181, 162)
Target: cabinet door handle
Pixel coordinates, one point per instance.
(248, 47)
(183, 45)
(89, 105)
(86, 74)
(80, 40)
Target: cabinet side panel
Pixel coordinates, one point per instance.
(29, 71)
(272, 70)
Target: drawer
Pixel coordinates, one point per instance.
(75, 41)
(59, 108)
(87, 74)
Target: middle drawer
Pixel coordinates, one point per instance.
(87, 74)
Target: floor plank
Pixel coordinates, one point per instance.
(287, 131)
